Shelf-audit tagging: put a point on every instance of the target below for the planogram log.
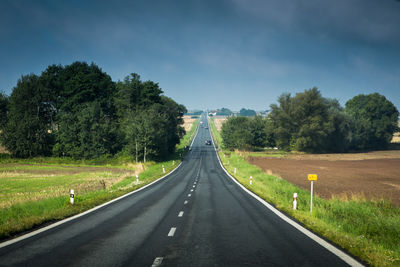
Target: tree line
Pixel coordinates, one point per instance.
(311, 123)
(78, 111)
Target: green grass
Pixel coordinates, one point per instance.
(369, 230)
(36, 191)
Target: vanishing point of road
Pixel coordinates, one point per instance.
(196, 216)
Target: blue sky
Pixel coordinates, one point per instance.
(213, 53)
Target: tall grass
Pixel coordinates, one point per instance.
(369, 230)
(47, 206)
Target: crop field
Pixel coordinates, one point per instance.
(21, 182)
(188, 122)
(218, 121)
(372, 176)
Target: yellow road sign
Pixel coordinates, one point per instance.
(312, 177)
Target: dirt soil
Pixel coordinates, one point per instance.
(366, 176)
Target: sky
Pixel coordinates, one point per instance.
(209, 54)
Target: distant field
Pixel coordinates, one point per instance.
(188, 122)
(218, 121)
(373, 175)
(22, 182)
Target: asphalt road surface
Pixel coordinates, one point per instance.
(197, 216)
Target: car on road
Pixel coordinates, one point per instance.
(208, 142)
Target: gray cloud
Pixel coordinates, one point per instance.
(372, 21)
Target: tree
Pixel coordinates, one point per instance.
(246, 133)
(224, 112)
(340, 138)
(247, 112)
(375, 120)
(282, 121)
(85, 133)
(257, 132)
(4, 109)
(133, 94)
(151, 122)
(28, 131)
(83, 83)
(78, 111)
(87, 125)
(309, 122)
(236, 134)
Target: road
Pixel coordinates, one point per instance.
(197, 216)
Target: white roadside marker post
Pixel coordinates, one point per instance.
(71, 196)
(234, 171)
(295, 201)
(163, 169)
(251, 180)
(137, 178)
(173, 163)
(312, 178)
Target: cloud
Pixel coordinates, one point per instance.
(375, 21)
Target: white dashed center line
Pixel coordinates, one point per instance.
(184, 203)
(189, 195)
(157, 262)
(180, 214)
(191, 190)
(172, 231)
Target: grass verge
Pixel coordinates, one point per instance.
(369, 230)
(35, 192)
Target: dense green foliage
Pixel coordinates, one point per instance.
(311, 123)
(246, 133)
(194, 113)
(375, 120)
(27, 132)
(247, 112)
(4, 107)
(78, 111)
(224, 112)
(150, 122)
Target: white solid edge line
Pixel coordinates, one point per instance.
(172, 231)
(17, 239)
(342, 255)
(197, 131)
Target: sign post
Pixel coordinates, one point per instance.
(312, 178)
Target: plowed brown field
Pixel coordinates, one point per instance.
(370, 177)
